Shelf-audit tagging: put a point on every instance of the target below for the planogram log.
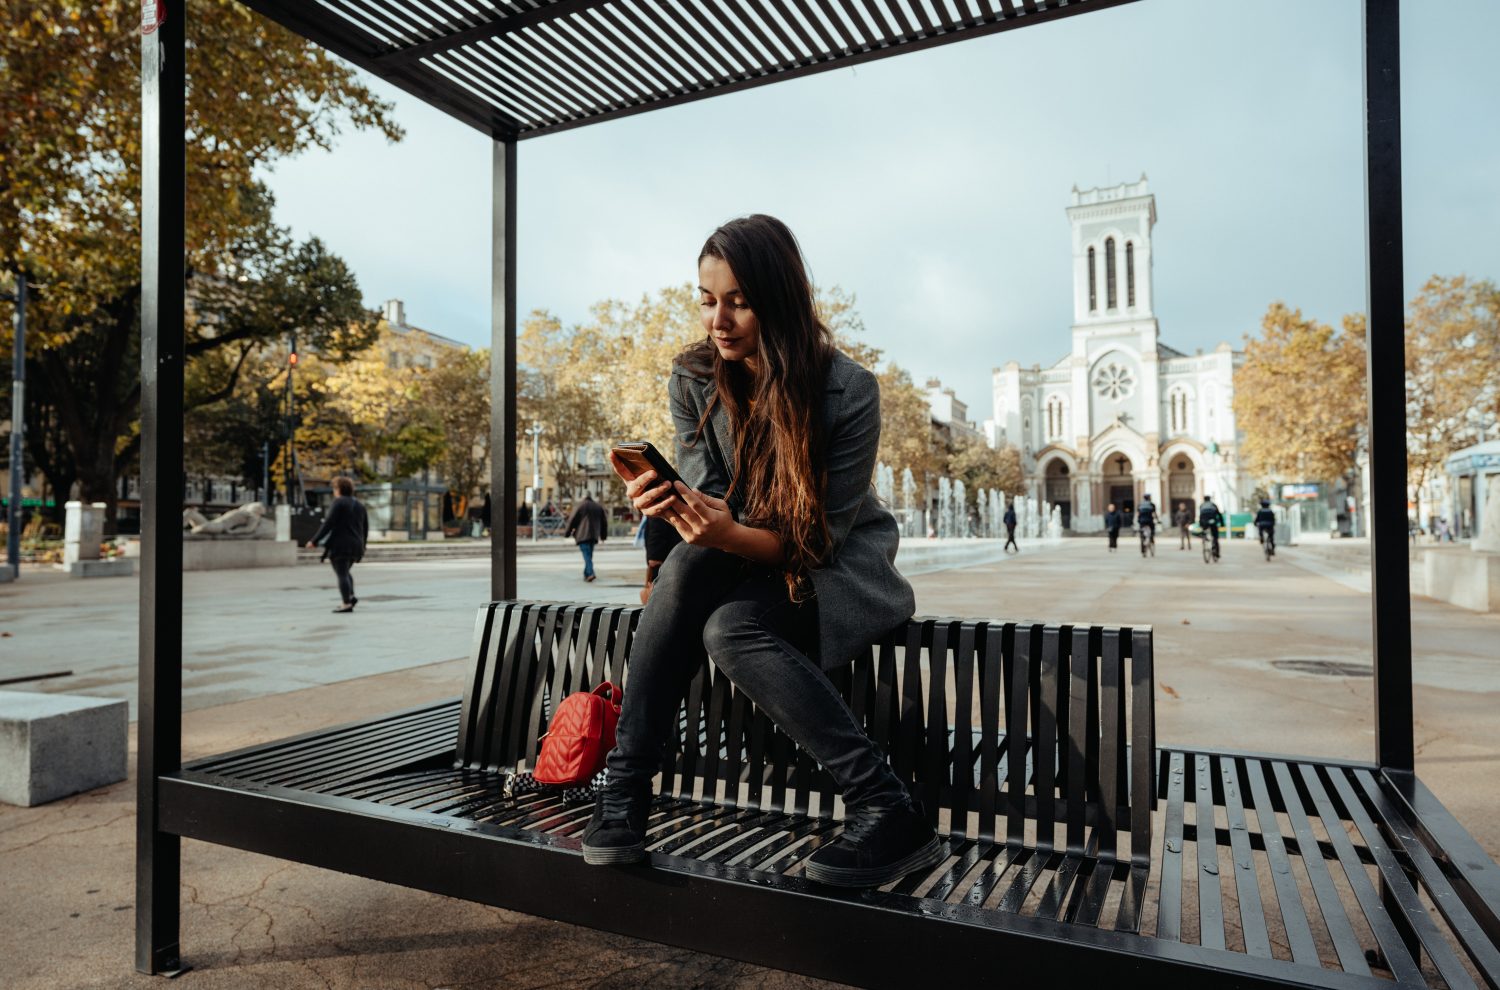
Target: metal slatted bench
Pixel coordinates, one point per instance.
(1102, 852)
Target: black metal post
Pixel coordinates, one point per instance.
(503, 371)
(17, 430)
(1390, 580)
(159, 725)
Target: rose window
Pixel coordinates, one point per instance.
(1114, 382)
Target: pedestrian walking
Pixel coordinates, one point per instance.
(588, 526)
(1113, 520)
(1183, 520)
(787, 566)
(344, 532)
(484, 513)
(1010, 527)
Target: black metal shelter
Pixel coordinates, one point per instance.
(518, 69)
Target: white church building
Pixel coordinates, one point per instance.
(1122, 414)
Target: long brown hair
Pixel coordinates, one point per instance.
(781, 475)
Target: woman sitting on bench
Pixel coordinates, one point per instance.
(790, 573)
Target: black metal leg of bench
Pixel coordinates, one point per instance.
(159, 723)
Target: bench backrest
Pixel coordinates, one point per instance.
(954, 704)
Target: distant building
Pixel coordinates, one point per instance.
(406, 346)
(950, 415)
(1121, 414)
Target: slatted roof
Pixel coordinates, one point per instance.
(522, 68)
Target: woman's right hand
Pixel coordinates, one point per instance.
(642, 490)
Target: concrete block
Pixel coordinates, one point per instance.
(110, 567)
(1469, 580)
(53, 745)
(232, 553)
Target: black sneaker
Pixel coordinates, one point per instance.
(878, 845)
(617, 832)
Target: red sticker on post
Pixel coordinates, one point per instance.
(153, 12)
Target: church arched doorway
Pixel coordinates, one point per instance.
(1182, 485)
(1119, 483)
(1059, 491)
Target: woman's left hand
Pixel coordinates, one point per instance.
(700, 519)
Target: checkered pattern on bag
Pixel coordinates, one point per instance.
(518, 784)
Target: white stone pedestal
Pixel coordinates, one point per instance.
(53, 745)
(83, 531)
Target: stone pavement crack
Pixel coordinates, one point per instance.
(72, 831)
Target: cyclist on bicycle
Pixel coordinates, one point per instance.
(1145, 521)
(1209, 520)
(1265, 521)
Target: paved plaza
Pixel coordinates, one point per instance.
(1250, 655)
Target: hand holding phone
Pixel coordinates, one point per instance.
(642, 456)
(648, 477)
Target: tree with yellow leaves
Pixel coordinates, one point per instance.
(1452, 370)
(1299, 397)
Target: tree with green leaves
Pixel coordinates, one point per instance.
(69, 194)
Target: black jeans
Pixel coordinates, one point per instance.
(737, 612)
(341, 566)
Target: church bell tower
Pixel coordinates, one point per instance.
(1112, 253)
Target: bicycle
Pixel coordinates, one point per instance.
(1148, 540)
(1268, 544)
(1210, 548)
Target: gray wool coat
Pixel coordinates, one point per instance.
(859, 592)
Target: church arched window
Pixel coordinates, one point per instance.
(1055, 424)
(1110, 299)
(1177, 401)
(1130, 274)
(1093, 288)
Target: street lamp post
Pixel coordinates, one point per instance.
(536, 477)
(17, 429)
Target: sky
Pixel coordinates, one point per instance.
(933, 186)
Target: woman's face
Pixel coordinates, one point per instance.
(728, 320)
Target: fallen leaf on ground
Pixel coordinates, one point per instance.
(1167, 688)
(1186, 622)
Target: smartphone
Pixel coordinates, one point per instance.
(642, 456)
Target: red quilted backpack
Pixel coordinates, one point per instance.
(581, 735)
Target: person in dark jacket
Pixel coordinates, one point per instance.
(1010, 527)
(1113, 520)
(1209, 520)
(345, 530)
(1183, 519)
(786, 570)
(588, 526)
(1265, 522)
